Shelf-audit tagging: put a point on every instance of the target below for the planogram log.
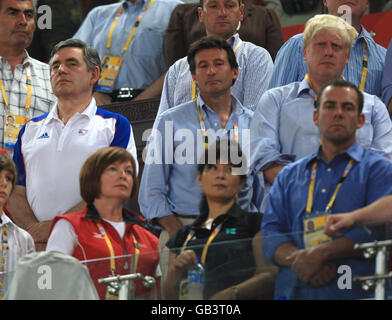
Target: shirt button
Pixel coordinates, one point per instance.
(215, 124)
(329, 169)
(323, 190)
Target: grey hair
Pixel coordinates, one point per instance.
(90, 55)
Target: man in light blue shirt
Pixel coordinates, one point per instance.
(282, 129)
(387, 80)
(144, 59)
(290, 65)
(169, 190)
(221, 19)
(293, 227)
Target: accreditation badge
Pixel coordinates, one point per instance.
(110, 68)
(183, 290)
(314, 230)
(12, 125)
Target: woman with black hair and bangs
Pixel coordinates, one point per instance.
(226, 239)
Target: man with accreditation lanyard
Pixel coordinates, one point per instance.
(169, 193)
(52, 148)
(340, 177)
(221, 19)
(24, 82)
(366, 63)
(282, 129)
(129, 39)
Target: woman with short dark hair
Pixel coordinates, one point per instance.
(224, 238)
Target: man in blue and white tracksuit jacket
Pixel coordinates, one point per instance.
(52, 148)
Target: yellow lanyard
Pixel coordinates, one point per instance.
(135, 260)
(209, 240)
(113, 26)
(311, 86)
(313, 182)
(28, 83)
(109, 245)
(203, 127)
(193, 97)
(112, 256)
(4, 248)
(364, 66)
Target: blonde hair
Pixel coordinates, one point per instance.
(333, 25)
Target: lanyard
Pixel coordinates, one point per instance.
(313, 182)
(210, 238)
(193, 82)
(4, 248)
(110, 247)
(203, 127)
(113, 26)
(135, 260)
(364, 66)
(311, 86)
(28, 83)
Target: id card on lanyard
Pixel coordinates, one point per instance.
(111, 65)
(14, 122)
(183, 292)
(314, 223)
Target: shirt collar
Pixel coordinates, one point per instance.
(236, 104)
(126, 4)
(364, 34)
(304, 88)
(233, 40)
(90, 111)
(355, 152)
(26, 61)
(234, 212)
(128, 217)
(5, 220)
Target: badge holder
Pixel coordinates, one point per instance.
(314, 230)
(110, 68)
(12, 125)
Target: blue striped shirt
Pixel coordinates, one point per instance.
(144, 61)
(290, 65)
(255, 68)
(169, 182)
(387, 77)
(282, 129)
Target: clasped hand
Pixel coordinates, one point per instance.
(310, 267)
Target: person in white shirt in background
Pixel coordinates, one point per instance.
(15, 242)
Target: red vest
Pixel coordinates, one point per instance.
(92, 245)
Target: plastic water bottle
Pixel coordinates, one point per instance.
(196, 282)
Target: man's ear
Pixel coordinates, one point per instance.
(95, 74)
(235, 73)
(194, 78)
(200, 13)
(198, 178)
(315, 116)
(304, 53)
(361, 121)
(242, 10)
